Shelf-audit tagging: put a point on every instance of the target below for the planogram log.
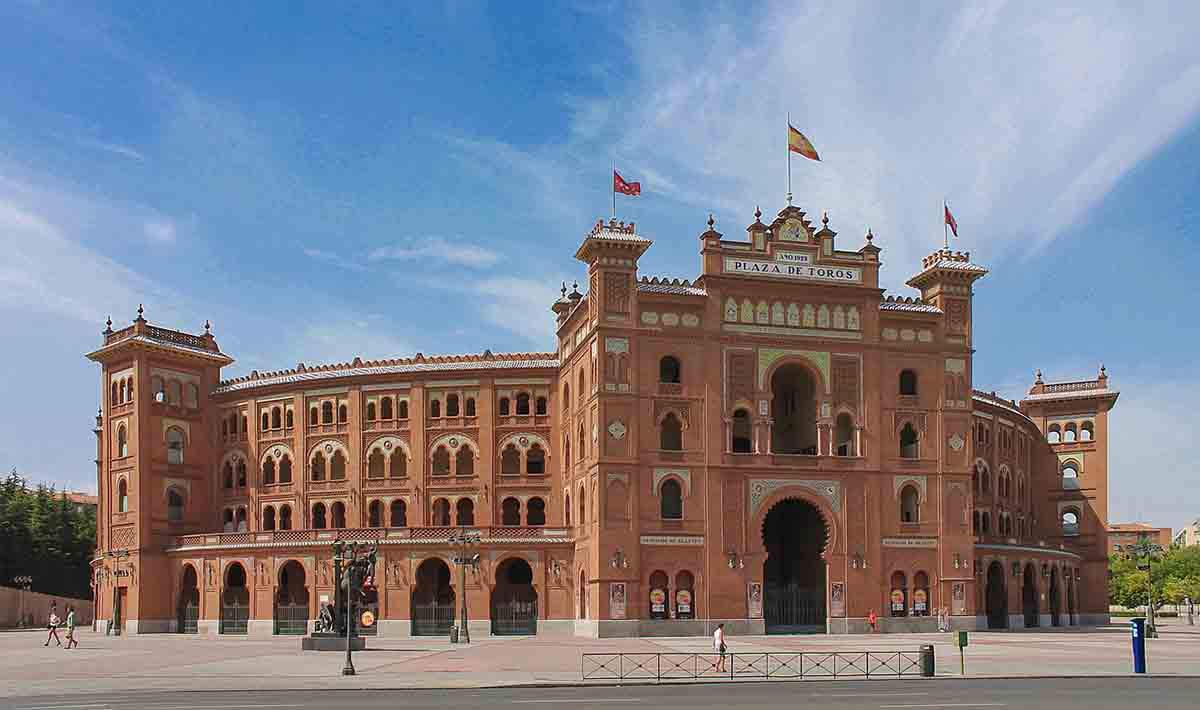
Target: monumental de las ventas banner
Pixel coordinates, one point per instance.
(776, 444)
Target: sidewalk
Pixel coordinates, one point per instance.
(174, 662)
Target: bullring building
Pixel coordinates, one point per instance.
(776, 444)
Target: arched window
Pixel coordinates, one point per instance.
(671, 433)
(658, 594)
(669, 370)
(582, 507)
(567, 510)
(227, 476)
(464, 461)
(289, 419)
(535, 460)
(174, 506)
(844, 435)
(1070, 522)
(899, 595)
(671, 502)
(375, 465)
(343, 414)
(157, 390)
(504, 407)
(241, 519)
(987, 522)
(245, 424)
(276, 419)
(241, 473)
(469, 407)
(122, 496)
(403, 409)
(908, 382)
(398, 514)
(465, 511)
(227, 519)
(685, 598)
(523, 404)
(539, 407)
(268, 518)
(266, 421)
(567, 450)
(285, 517)
(566, 400)
(385, 408)
(268, 471)
(318, 467)
(1069, 434)
(370, 411)
(193, 396)
(318, 516)
(582, 440)
(435, 408)
(1086, 432)
(175, 444)
(452, 405)
(174, 392)
(327, 412)
(510, 461)
(535, 512)
(441, 461)
(122, 442)
(743, 442)
(398, 463)
(1054, 434)
(510, 512)
(129, 390)
(910, 505)
(313, 417)
(582, 386)
(115, 398)
(375, 514)
(441, 512)
(920, 594)
(337, 466)
(1070, 475)
(285, 469)
(908, 442)
(975, 524)
(337, 515)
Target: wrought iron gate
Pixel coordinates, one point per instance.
(514, 617)
(432, 619)
(235, 618)
(291, 619)
(189, 618)
(791, 609)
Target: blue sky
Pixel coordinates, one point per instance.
(330, 180)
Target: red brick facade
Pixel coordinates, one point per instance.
(775, 444)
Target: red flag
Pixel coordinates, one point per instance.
(625, 188)
(950, 220)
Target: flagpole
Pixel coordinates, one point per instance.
(788, 148)
(945, 227)
(613, 186)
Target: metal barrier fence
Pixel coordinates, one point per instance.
(661, 667)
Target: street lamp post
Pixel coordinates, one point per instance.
(115, 621)
(1144, 548)
(464, 540)
(23, 583)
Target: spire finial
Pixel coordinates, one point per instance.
(108, 325)
(869, 235)
(1103, 371)
(824, 218)
(207, 326)
(711, 221)
(140, 310)
(564, 289)
(1038, 374)
(757, 213)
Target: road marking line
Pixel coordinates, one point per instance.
(581, 700)
(950, 705)
(863, 695)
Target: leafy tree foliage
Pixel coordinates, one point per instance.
(1176, 575)
(45, 536)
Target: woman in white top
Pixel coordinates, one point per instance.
(719, 646)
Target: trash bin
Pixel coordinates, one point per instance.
(453, 634)
(927, 661)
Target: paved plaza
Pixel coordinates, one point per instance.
(163, 662)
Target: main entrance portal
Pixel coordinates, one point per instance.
(794, 535)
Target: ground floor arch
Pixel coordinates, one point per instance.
(291, 605)
(235, 601)
(794, 535)
(432, 599)
(514, 603)
(1029, 596)
(188, 607)
(1055, 600)
(996, 597)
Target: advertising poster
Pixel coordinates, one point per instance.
(683, 604)
(837, 599)
(616, 600)
(920, 602)
(754, 592)
(658, 604)
(897, 602)
(959, 594)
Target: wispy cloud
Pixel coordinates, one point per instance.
(159, 231)
(437, 249)
(335, 259)
(521, 306)
(114, 148)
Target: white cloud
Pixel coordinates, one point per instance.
(437, 249)
(521, 306)
(335, 259)
(159, 231)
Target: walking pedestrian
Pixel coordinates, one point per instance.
(873, 621)
(52, 623)
(719, 647)
(941, 619)
(72, 641)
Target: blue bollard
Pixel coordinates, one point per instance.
(1137, 627)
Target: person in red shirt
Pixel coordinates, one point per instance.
(873, 621)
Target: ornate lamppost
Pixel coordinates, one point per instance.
(351, 569)
(1143, 548)
(463, 540)
(23, 584)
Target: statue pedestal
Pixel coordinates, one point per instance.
(331, 642)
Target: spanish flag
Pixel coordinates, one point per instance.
(797, 143)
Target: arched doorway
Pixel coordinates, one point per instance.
(996, 600)
(794, 535)
(794, 409)
(189, 602)
(291, 601)
(235, 601)
(583, 599)
(1029, 596)
(514, 600)
(1055, 600)
(1070, 599)
(432, 600)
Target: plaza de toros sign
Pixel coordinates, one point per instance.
(787, 269)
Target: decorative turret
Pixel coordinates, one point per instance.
(611, 251)
(945, 281)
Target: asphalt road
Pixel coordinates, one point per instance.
(1058, 693)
